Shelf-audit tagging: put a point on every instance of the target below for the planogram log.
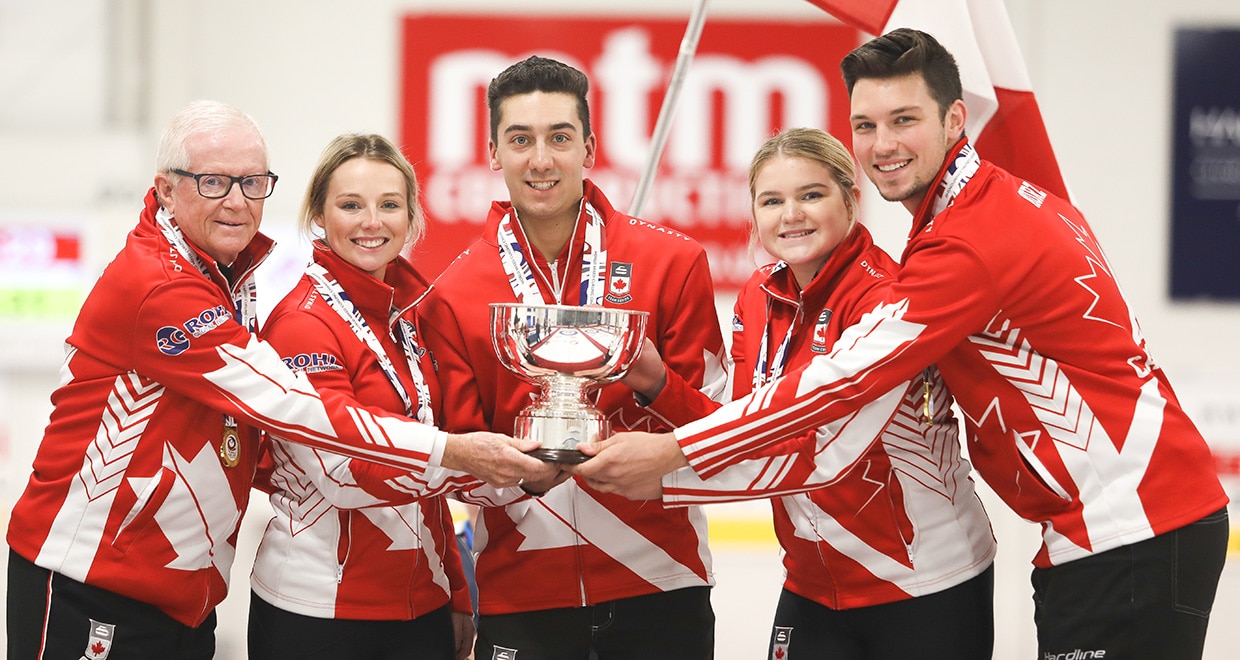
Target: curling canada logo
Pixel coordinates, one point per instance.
(619, 282)
(819, 345)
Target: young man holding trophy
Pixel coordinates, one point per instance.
(572, 570)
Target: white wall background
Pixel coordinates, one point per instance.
(86, 85)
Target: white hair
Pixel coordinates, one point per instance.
(198, 116)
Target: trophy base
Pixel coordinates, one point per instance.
(559, 432)
(570, 456)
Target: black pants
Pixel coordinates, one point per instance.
(676, 624)
(51, 614)
(954, 624)
(277, 634)
(1151, 599)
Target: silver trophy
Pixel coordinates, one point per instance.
(568, 351)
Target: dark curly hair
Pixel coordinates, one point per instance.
(903, 52)
(538, 74)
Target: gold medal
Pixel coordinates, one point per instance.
(927, 403)
(230, 444)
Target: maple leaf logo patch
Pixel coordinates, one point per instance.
(100, 642)
(819, 345)
(619, 282)
(783, 637)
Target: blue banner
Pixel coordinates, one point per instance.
(1205, 193)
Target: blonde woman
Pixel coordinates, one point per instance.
(360, 560)
(887, 548)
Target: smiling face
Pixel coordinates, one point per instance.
(365, 216)
(899, 138)
(541, 148)
(220, 227)
(801, 213)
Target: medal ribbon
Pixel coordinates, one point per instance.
(339, 301)
(763, 374)
(958, 173)
(521, 274)
(244, 297)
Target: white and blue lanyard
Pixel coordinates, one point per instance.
(335, 297)
(520, 272)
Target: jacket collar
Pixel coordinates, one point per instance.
(960, 165)
(591, 193)
(782, 286)
(401, 288)
(250, 257)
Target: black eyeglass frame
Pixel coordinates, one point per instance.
(232, 181)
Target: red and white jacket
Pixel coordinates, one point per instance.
(1068, 418)
(352, 539)
(890, 511)
(129, 491)
(575, 546)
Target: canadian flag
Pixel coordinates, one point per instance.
(1004, 122)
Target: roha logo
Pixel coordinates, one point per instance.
(313, 363)
(207, 320)
(171, 340)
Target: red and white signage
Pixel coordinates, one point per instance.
(41, 272)
(749, 79)
(32, 253)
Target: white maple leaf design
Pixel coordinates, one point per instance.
(200, 514)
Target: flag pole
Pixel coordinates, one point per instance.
(688, 46)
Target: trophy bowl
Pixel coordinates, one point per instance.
(566, 351)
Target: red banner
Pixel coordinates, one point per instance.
(1004, 121)
(749, 79)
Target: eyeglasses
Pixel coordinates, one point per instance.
(215, 186)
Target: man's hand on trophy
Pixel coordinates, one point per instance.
(648, 374)
(497, 459)
(539, 488)
(631, 463)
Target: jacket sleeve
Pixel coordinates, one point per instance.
(808, 462)
(680, 402)
(691, 345)
(345, 482)
(441, 333)
(944, 292)
(187, 340)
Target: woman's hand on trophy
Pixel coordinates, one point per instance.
(631, 463)
(648, 374)
(497, 459)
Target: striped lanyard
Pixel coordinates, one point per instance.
(762, 374)
(959, 172)
(521, 274)
(245, 297)
(338, 300)
(245, 304)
